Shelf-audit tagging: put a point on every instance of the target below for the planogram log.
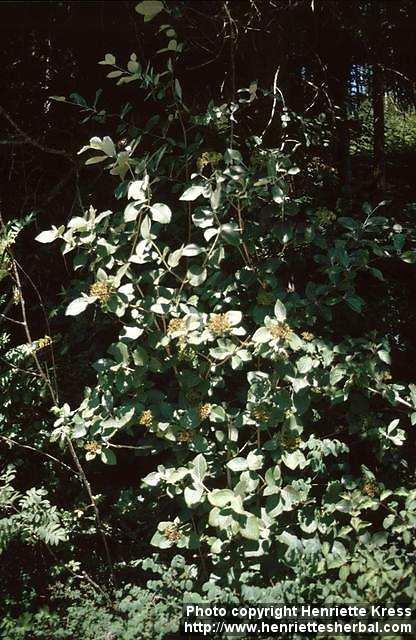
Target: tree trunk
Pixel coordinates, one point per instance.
(378, 117)
(339, 89)
(345, 134)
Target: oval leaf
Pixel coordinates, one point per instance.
(77, 306)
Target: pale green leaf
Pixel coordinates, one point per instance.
(192, 193)
(252, 530)
(161, 213)
(262, 335)
(193, 496)
(149, 8)
(237, 464)
(220, 497)
(95, 159)
(77, 306)
(47, 236)
(280, 311)
(108, 457)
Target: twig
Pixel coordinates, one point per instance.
(32, 141)
(275, 90)
(42, 453)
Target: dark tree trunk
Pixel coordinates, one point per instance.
(339, 87)
(378, 116)
(344, 132)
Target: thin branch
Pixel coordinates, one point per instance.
(32, 141)
(10, 441)
(275, 90)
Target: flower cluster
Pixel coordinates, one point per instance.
(208, 157)
(16, 297)
(290, 442)
(261, 414)
(101, 290)
(280, 330)
(146, 418)
(172, 533)
(219, 324)
(204, 410)
(307, 335)
(42, 343)
(370, 489)
(325, 216)
(186, 436)
(175, 325)
(92, 447)
(185, 353)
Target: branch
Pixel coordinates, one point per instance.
(32, 141)
(10, 441)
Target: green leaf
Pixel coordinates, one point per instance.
(230, 232)
(108, 456)
(149, 8)
(133, 66)
(114, 74)
(356, 303)
(192, 496)
(412, 389)
(196, 275)
(152, 479)
(262, 335)
(132, 211)
(304, 364)
(409, 256)
(217, 414)
(220, 497)
(234, 317)
(47, 236)
(277, 194)
(280, 311)
(388, 521)
(294, 459)
(77, 306)
(178, 88)
(232, 155)
(137, 190)
(254, 461)
(161, 213)
(200, 467)
(131, 333)
(120, 352)
(174, 257)
(191, 250)
(108, 59)
(237, 464)
(384, 356)
(159, 540)
(96, 159)
(192, 193)
(336, 375)
(145, 228)
(252, 530)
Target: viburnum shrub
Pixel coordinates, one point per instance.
(248, 352)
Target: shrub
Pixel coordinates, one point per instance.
(243, 351)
